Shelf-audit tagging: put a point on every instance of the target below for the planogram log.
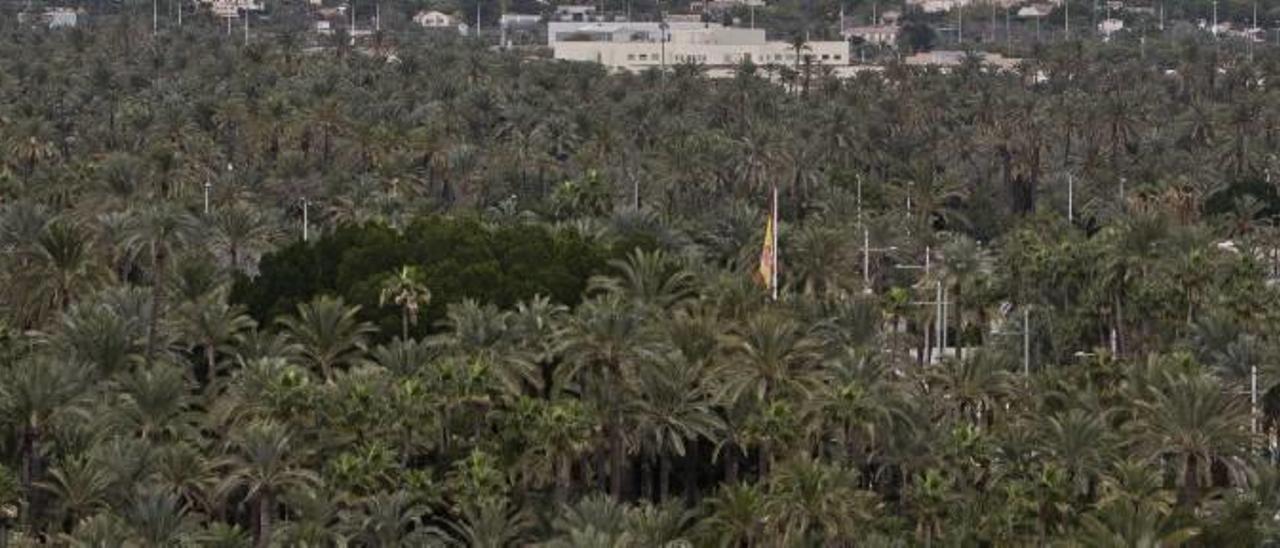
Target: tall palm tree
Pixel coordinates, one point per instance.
(966, 265)
(79, 487)
(34, 394)
(263, 464)
(1191, 418)
(328, 333)
(736, 516)
(158, 233)
(406, 289)
(606, 340)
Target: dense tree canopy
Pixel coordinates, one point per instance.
(1033, 306)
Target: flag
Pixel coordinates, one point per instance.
(768, 272)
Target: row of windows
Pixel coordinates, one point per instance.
(731, 58)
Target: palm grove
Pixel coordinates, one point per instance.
(525, 314)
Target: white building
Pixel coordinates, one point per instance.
(232, 8)
(434, 20)
(519, 20)
(713, 47)
(880, 35)
(624, 31)
(61, 17)
(1110, 26)
(946, 60)
(1035, 11)
(577, 14)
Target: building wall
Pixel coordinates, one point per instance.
(638, 56)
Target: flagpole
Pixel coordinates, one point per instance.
(774, 213)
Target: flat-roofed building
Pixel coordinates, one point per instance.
(713, 47)
(621, 31)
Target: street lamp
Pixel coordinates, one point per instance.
(1026, 339)
(207, 186)
(940, 301)
(305, 204)
(866, 259)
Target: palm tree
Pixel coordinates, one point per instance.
(736, 516)
(79, 487)
(390, 520)
(1190, 417)
(158, 519)
(327, 332)
(154, 403)
(408, 290)
(158, 232)
(674, 408)
(650, 280)
(59, 267)
(211, 324)
(965, 266)
(493, 524)
(606, 340)
(262, 464)
(36, 393)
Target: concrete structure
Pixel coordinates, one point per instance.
(434, 20)
(577, 14)
(624, 31)
(1035, 11)
(951, 59)
(62, 17)
(879, 35)
(519, 20)
(1110, 26)
(713, 47)
(232, 8)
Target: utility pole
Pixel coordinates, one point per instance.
(180, 13)
(1215, 19)
(1071, 199)
(960, 23)
(1026, 341)
(1008, 33)
(866, 259)
(207, 186)
(155, 17)
(305, 205)
(246, 27)
(1066, 8)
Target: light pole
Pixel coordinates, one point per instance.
(1071, 199)
(866, 259)
(305, 204)
(207, 186)
(939, 303)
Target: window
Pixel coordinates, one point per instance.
(631, 57)
(837, 57)
(644, 57)
(826, 57)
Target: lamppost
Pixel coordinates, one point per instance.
(866, 259)
(1026, 339)
(207, 187)
(305, 205)
(940, 302)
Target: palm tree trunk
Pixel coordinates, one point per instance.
(731, 465)
(664, 476)
(617, 461)
(646, 477)
(404, 324)
(1190, 482)
(157, 305)
(264, 520)
(564, 479)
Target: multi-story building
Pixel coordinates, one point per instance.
(879, 35)
(619, 31)
(710, 46)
